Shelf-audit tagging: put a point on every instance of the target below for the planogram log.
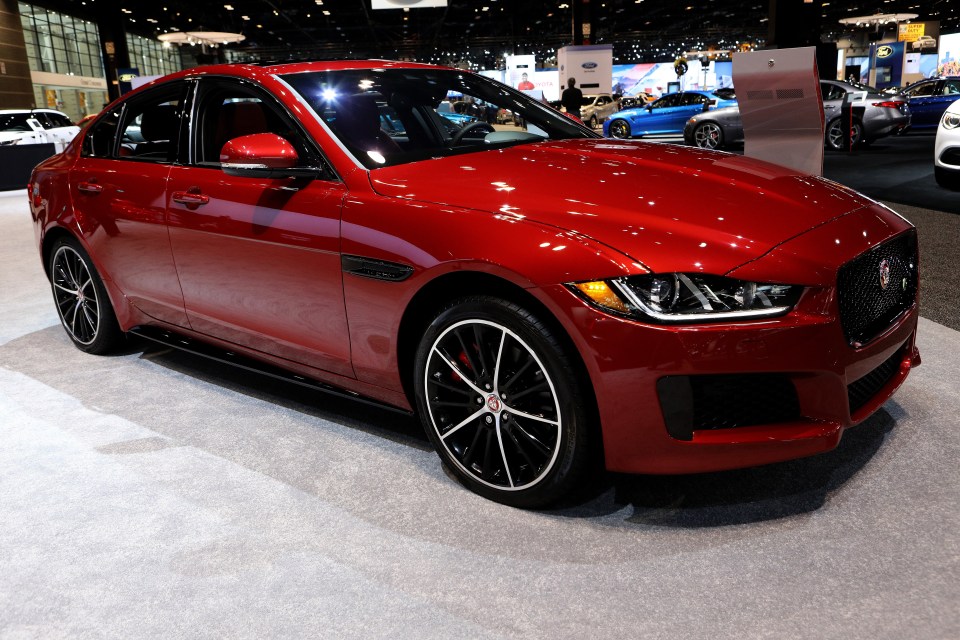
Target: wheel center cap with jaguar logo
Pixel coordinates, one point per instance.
(884, 274)
(494, 404)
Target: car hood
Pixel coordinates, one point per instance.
(667, 207)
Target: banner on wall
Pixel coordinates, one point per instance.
(919, 37)
(888, 63)
(520, 71)
(948, 57)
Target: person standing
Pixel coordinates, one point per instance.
(572, 98)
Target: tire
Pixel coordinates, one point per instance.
(81, 300)
(834, 135)
(620, 128)
(502, 403)
(594, 123)
(708, 135)
(946, 178)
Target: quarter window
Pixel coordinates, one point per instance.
(151, 125)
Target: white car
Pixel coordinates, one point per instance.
(925, 42)
(36, 126)
(597, 108)
(946, 154)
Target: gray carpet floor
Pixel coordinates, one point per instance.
(153, 495)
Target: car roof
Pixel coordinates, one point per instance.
(44, 110)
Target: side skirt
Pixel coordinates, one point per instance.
(210, 352)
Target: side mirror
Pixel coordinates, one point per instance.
(650, 108)
(262, 155)
(709, 104)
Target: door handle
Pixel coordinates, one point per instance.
(829, 106)
(192, 197)
(90, 186)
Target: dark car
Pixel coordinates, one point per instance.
(715, 129)
(883, 115)
(546, 300)
(929, 100)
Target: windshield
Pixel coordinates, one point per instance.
(394, 116)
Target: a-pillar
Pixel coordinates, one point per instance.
(16, 87)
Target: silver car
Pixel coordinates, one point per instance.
(597, 108)
(882, 115)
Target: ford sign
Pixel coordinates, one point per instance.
(884, 51)
(589, 65)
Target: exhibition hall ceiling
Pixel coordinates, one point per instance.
(482, 30)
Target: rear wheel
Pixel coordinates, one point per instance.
(619, 128)
(708, 135)
(501, 402)
(81, 300)
(946, 178)
(835, 135)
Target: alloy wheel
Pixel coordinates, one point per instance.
(708, 136)
(835, 135)
(76, 295)
(619, 129)
(492, 405)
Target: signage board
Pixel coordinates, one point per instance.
(778, 91)
(590, 65)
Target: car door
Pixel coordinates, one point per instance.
(118, 189)
(691, 104)
(657, 116)
(925, 103)
(258, 258)
(832, 96)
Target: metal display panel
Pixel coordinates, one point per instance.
(778, 91)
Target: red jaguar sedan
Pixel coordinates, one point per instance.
(543, 298)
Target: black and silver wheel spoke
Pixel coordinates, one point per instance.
(492, 404)
(75, 295)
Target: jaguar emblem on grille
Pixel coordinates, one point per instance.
(884, 274)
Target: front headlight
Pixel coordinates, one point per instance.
(950, 120)
(689, 297)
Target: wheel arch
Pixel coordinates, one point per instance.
(424, 306)
(50, 239)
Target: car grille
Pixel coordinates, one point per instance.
(707, 402)
(863, 390)
(866, 306)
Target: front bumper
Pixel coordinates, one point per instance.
(629, 360)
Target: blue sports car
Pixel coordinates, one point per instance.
(668, 114)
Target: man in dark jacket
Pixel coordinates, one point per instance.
(572, 98)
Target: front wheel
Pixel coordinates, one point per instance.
(619, 128)
(708, 135)
(594, 123)
(946, 178)
(81, 300)
(501, 402)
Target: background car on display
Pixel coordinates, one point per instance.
(883, 115)
(36, 126)
(538, 325)
(597, 108)
(929, 99)
(946, 166)
(666, 115)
